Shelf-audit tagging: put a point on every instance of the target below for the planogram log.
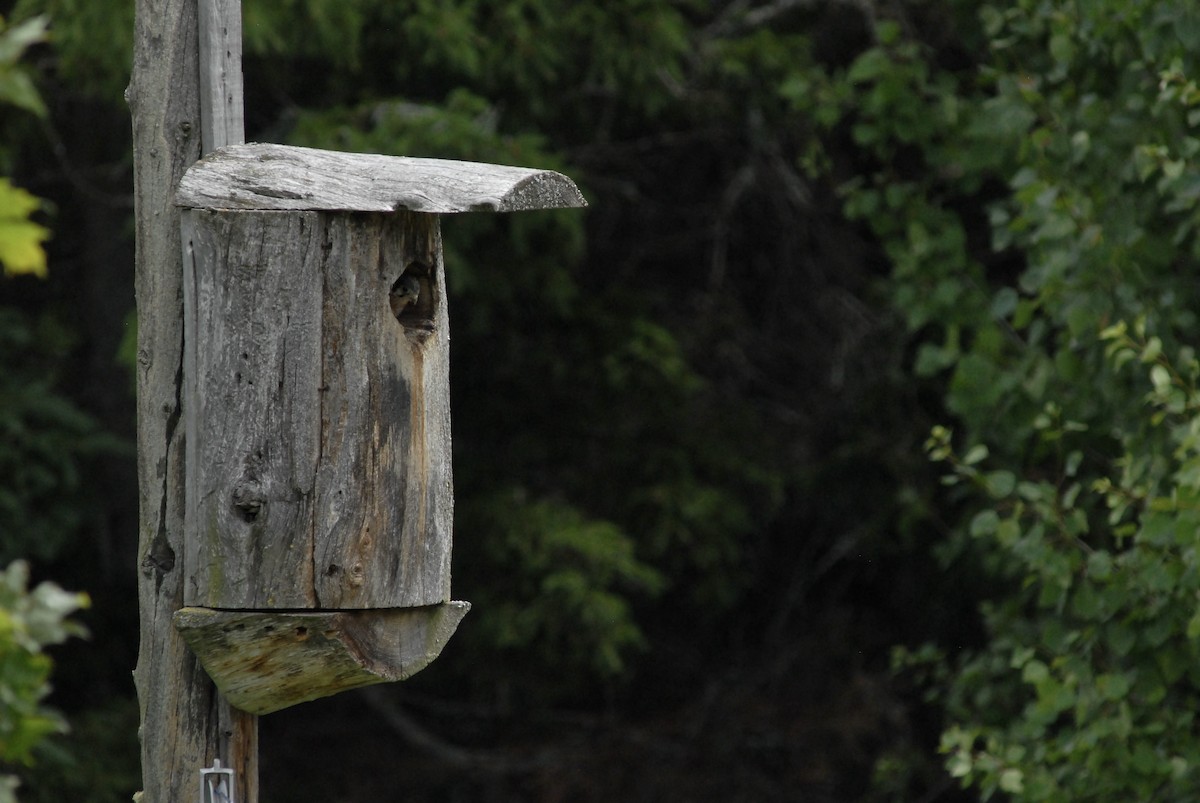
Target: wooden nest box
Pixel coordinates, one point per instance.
(319, 503)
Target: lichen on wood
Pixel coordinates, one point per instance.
(264, 661)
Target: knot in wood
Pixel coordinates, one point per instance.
(248, 497)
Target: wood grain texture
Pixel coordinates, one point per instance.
(222, 108)
(184, 722)
(384, 495)
(264, 661)
(264, 176)
(319, 427)
(252, 301)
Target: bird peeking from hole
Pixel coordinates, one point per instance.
(404, 294)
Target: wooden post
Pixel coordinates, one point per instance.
(222, 108)
(185, 724)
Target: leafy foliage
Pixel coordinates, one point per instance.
(95, 762)
(1073, 139)
(567, 584)
(1106, 660)
(676, 404)
(29, 622)
(16, 82)
(45, 444)
(20, 238)
(77, 26)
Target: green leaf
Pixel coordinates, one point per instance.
(976, 454)
(20, 239)
(17, 89)
(870, 65)
(1160, 377)
(16, 39)
(1193, 627)
(1062, 48)
(958, 765)
(1012, 780)
(1113, 687)
(1000, 484)
(29, 621)
(1121, 637)
(1099, 565)
(1152, 350)
(1035, 672)
(16, 86)
(985, 522)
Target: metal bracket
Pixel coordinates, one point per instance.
(216, 784)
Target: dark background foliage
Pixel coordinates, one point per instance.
(680, 416)
(709, 556)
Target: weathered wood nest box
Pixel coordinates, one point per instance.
(316, 380)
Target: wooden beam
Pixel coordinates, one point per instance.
(222, 107)
(281, 177)
(185, 724)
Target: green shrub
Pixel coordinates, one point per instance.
(30, 620)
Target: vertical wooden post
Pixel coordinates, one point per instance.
(184, 722)
(222, 108)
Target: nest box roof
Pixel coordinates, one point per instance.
(258, 176)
